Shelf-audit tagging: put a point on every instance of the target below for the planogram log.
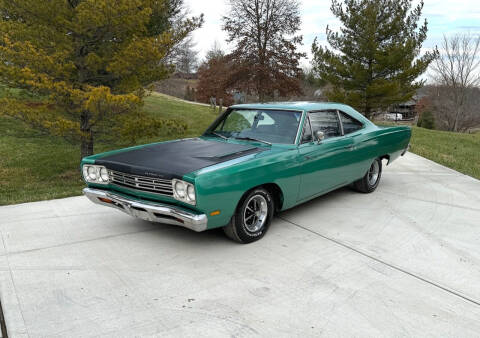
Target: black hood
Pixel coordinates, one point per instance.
(174, 159)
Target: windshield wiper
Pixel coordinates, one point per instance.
(217, 134)
(252, 139)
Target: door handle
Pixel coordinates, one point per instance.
(349, 147)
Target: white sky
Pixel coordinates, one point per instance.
(443, 17)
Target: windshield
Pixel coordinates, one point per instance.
(273, 126)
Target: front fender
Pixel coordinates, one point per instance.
(222, 189)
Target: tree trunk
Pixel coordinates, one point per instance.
(261, 97)
(86, 146)
(261, 92)
(455, 122)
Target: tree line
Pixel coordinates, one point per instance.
(372, 62)
(85, 65)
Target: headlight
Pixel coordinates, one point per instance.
(104, 174)
(95, 174)
(191, 193)
(180, 188)
(92, 173)
(183, 191)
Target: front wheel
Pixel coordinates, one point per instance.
(370, 181)
(252, 217)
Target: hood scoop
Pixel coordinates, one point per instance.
(229, 155)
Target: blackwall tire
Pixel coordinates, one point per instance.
(370, 181)
(252, 218)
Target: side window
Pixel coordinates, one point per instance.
(349, 123)
(306, 133)
(326, 122)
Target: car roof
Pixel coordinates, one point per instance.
(304, 105)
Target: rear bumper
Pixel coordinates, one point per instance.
(155, 212)
(406, 149)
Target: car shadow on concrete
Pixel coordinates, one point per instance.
(217, 236)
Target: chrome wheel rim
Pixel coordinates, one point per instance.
(255, 213)
(373, 173)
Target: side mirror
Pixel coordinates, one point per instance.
(319, 135)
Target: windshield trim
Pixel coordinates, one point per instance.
(229, 109)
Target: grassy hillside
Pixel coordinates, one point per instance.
(37, 167)
(454, 150)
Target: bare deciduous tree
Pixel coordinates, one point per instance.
(456, 73)
(266, 58)
(186, 57)
(216, 51)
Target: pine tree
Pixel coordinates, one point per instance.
(87, 62)
(374, 60)
(426, 120)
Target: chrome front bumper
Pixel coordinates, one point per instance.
(150, 211)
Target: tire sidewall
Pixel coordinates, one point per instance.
(240, 228)
(373, 187)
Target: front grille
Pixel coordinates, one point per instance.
(143, 183)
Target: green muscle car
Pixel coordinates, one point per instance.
(253, 161)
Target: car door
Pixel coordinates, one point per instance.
(356, 161)
(323, 164)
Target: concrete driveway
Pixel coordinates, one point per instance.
(403, 261)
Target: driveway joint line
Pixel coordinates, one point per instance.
(390, 265)
(55, 217)
(427, 201)
(3, 324)
(7, 253)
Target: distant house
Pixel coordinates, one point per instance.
(405, 110)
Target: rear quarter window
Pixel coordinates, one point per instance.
(350, 125)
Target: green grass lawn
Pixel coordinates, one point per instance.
(37, 167)
(460, 152)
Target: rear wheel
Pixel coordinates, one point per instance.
(370, 181)
(252, 217)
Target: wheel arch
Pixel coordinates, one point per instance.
(385, 157)
(274, 190)
(277, 194)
